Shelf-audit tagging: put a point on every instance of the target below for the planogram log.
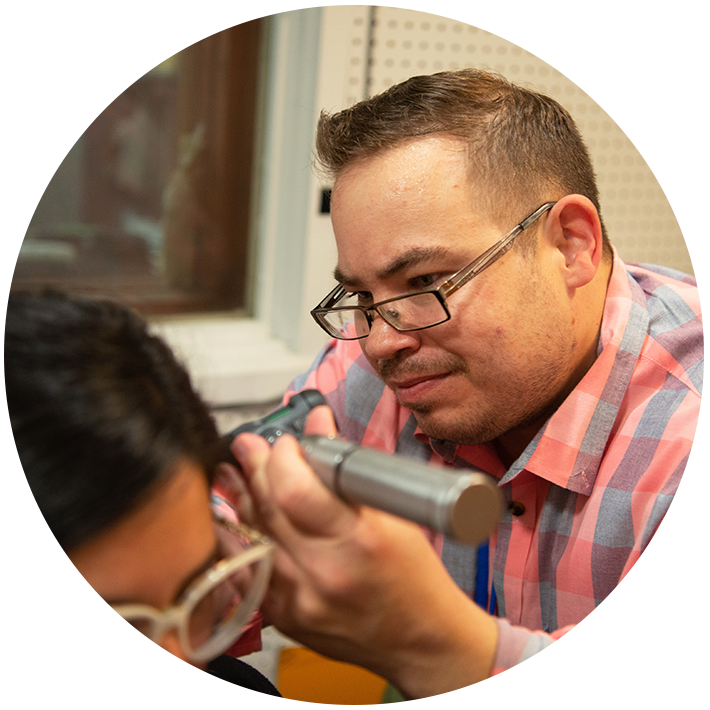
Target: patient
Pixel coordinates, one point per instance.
(121, 456)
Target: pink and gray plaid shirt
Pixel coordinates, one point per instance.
(586, 496)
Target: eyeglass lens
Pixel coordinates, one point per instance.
(409, 312)
(82, 670)
(219, 608)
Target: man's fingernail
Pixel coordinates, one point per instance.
(239, 450)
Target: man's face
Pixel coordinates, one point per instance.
(406, 220)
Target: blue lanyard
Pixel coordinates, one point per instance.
(481, 590)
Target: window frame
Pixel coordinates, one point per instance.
(237, 360)
(208, 89)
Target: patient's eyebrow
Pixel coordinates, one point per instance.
(409, 258)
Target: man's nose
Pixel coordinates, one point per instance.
(170, 679)
(385, 341)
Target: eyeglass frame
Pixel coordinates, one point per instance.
(176, 616)
(442, 292)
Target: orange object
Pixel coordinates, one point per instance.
(308, 676)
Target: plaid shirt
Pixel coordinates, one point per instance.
(588, 493)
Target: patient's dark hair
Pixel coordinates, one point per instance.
(101, 411)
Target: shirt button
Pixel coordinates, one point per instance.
(516, 508)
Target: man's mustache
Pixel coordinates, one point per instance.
(402, 368)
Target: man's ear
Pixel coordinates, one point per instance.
(576, 232)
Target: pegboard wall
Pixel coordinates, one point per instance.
(632, 76)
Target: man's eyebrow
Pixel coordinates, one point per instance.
(406, 260)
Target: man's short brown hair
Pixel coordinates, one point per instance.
(523, 148)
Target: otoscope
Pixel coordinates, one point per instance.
(464, 505)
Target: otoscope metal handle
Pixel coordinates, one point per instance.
(465, 506)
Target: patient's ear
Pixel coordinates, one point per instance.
(575, 231)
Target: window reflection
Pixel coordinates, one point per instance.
(151, 205)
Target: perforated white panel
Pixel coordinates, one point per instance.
(358, 29)
(631, 75)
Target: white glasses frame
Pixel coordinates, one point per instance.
(177, 616)
(442, 292)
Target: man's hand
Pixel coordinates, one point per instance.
(357, 584)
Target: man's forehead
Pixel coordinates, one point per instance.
(414, 179)
(411, 204)
(408, 162)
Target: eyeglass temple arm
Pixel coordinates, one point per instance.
(495, 252)
(242, 530)
(333, 297)
(536, 215)
(482, 262)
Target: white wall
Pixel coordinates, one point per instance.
(323, 58)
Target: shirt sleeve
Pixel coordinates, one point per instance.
(664, 631)
(328, 370)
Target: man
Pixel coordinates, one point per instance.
(531, 352)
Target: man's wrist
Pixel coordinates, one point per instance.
(455, 656)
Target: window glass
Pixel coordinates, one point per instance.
(151, 205)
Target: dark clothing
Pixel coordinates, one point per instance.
(229, 681)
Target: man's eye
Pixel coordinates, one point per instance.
(364, 298)
(420, 283)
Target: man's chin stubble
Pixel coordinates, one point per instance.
(466, 434)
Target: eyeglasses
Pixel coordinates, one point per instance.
(413, 311)
(98, 656)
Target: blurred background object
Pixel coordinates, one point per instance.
(152, 203)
